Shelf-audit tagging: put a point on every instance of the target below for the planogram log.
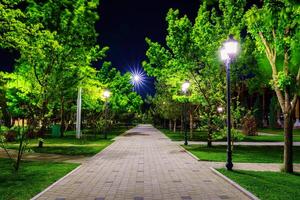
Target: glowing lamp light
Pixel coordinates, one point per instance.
(220, 109)
(185, 86)
(223, 54)
(230, 49)
(106, 94)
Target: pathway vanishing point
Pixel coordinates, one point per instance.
(140, 165)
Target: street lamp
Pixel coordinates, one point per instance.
(228, 53)
(106, 95)
(184, 88)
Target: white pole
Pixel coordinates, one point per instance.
(78, 116)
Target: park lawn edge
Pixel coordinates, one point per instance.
(42, 180)
(234, 184)
(267, 179)
(71, 172)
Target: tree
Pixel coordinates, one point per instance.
(276, 31)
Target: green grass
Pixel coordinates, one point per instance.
(178, 136)
(269, 138)
(69, 145)
(244, 154)
(277, 131)
(202, 136)
(267, 185)
(32, 178)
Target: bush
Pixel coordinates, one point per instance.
(249, 125)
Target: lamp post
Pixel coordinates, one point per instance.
(106, 95)
(228, 53)
(184, 88)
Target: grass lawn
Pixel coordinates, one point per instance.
(32, 178)
(69, 145)
(245, 154)
(277, 131)
(267, 185)
(202, 136)
(178, 136)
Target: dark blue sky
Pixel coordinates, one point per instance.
(123, 26)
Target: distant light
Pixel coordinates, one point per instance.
(220, 109)
(106, 94)
(185, 86)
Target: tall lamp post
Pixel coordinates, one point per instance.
(228, 53)
(106, 95)
(184, 88)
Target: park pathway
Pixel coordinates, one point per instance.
(142, 164)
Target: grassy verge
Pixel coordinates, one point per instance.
(202, 136)
(89, 145)
(277, 131)
(32, 178)
(178, 136)
(267, 185)
(245, 154)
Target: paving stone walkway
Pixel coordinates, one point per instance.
(141, 165)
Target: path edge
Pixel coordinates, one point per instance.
(234, 184)
(56, 182)
(73, 171)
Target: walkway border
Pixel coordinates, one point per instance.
(56, 182)
(71, 172)
(234, 184)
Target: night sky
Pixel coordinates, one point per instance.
(123, 26)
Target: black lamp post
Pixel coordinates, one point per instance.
(228, 54)
(184, 87)
(106, 95)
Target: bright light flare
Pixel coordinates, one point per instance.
(137, 78)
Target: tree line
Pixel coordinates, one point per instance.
(269, 36)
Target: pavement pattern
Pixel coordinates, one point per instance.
(140, 165)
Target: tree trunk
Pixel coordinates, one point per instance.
(191, 123)
(209, 133)
(288, 143)
(174, 127)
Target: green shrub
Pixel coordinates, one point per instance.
(249, 125)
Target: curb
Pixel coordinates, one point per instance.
(190, 154)
(56, 182)
(234, 184)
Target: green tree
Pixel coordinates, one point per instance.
(276, 31)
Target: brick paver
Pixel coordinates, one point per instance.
(141, 165)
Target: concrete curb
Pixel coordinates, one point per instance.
(56, 182)
(192, 155)
(234, 184)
